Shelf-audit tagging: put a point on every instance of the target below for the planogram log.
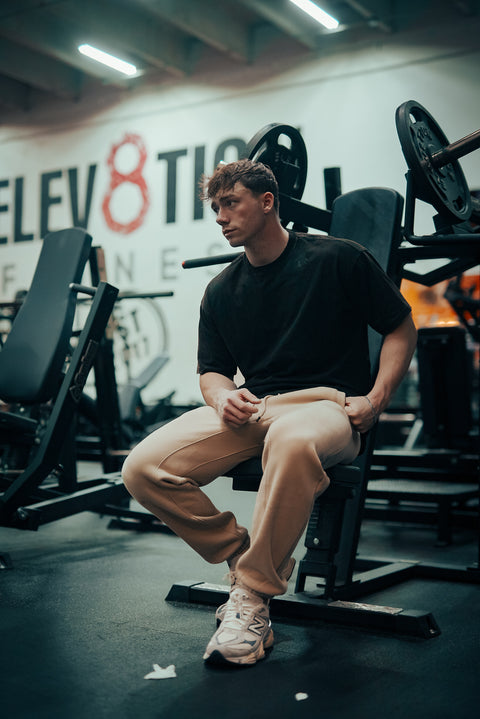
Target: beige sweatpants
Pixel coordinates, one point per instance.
(298, 434)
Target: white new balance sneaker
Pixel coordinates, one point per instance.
(245, 630)
(220, 611)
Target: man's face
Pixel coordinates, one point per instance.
(240, 213)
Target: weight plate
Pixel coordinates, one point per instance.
(443, 187)
(282, 149)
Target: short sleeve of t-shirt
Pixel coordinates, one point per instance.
(213, 355)
(376, 295)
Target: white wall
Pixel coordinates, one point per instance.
(344, 105)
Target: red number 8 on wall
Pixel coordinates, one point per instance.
(134, 177)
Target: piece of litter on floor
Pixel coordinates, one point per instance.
(159, 673)
(300, 696)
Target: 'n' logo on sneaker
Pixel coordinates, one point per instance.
(257, 626)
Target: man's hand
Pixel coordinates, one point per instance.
(361, 413)
(236, 406)
(233, 405)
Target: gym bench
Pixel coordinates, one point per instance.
(371, 217)
(443, 498)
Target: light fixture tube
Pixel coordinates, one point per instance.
(317, 13)
(126, 68)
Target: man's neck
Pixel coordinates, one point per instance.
(267, 248)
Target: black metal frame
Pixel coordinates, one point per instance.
(461, 248)
(313, 605)
(26, 503)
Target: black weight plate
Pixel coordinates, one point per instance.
(282, 149)
(443, 187)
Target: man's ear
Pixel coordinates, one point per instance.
(268, 201)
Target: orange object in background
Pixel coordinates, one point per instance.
(429, 306)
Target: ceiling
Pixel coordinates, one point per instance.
(168, 39)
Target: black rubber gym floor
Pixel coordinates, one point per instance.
(84, 619)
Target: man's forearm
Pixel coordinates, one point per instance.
(395, 357)
(214, 385)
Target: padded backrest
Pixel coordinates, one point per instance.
(372, 217)
(32, 357)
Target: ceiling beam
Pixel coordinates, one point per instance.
(294, 22)
(208, 21)
(373, 20)
(51, 36)
(119, 29)
(289, 19)
(44, 73)
(14, 95)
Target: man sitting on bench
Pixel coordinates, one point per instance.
(291, 314)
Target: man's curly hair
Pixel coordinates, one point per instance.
(255, 176)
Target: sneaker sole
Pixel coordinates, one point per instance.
(216, 657)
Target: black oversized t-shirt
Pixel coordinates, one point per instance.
(300, 321)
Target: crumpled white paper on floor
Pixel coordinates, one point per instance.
(300, 696)
(159, 673)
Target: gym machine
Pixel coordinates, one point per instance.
(446, 473)
(44, 365)
(371, 217)
(41, 382)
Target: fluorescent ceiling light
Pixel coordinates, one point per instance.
(104, 57)
(319, 15)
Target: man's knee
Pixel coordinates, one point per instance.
(133, 473)
(286, 438)
(325, 432)
(144, 463)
